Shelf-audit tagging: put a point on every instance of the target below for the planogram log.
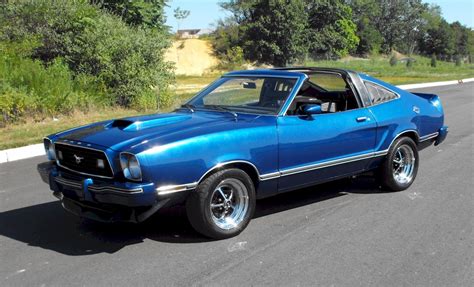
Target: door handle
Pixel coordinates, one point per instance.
(362, 119)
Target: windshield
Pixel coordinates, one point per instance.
(261, 95)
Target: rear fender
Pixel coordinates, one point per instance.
(433, 99)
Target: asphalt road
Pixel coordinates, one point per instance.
(346, 233)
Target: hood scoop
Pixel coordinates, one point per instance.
(141, 123)
(121, 123)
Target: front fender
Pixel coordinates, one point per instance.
(186, 161)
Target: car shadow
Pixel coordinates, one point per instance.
(50, 227)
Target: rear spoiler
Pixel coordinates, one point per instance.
(432, 98)
(426, 96)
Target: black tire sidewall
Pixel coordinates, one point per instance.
(197, 205)
(388, 179)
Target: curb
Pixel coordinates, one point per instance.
(38, 149)
(21, 153)
(434, 84)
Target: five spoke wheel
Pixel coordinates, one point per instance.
(400, 167)
(403, 164)
(229, 203)
(223, 203)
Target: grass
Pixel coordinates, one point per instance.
(378, 67)
(30, 131)
(420, 72)
(193, 84)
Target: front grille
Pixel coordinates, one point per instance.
(83, 160)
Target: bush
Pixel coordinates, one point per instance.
(393, 61)
(410, 62)
(131, 66)
(433, 61)
(458, 61)
(28, 87)
(226, 36)
(233, 59)
(98, 47)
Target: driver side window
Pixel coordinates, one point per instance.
(329, 90)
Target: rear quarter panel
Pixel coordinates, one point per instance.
(399, 115)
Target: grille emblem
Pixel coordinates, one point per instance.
(78, 159)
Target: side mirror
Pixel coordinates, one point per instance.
(312, 109)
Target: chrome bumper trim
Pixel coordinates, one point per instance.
(97, 188)
(168, 189)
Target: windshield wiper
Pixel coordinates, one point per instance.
(222, 109)
(190, 107)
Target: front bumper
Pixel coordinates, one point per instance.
(105, 201)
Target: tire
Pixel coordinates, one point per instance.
(222, 204)
(400, 167)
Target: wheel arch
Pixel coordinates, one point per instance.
(246, 166)
(413, 134)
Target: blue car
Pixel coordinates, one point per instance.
(248, 135)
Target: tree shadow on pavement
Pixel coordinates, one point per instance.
(49, 226)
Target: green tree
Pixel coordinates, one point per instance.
(279, 32)
(439, 40)
(388, 22)
(127, 60)
(411, 26)
(363, 13)
(461, 38)
(273, 31)
(458, 60)
(433, 61)
(399, 22)
(332, 32)
(393, 60)
(180, 14)
(147, 13)
(470, 45)
(225, 36)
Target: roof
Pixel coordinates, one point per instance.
(286, 71)
(313, 69)
(266, 72)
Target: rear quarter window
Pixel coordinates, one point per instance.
(379, 94)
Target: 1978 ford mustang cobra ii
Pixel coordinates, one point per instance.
(248, 135)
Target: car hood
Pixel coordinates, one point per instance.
(143, 131)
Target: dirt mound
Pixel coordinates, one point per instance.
(398, 55)
(192, 57)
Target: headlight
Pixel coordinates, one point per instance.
(49, 149)
(130, 166)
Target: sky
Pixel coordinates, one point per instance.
(204, 13)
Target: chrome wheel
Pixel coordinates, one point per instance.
(229, 203)
(403, 164)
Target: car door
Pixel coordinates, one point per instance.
(317, 148)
